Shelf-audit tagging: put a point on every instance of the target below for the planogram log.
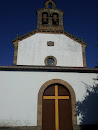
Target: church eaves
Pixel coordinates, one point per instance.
(49, 69)
(51, 32)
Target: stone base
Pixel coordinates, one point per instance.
(22, 128)
(76, 127)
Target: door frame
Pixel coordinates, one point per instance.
(73, 100)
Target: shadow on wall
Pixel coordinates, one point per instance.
(88, 108)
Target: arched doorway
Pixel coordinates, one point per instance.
(72, 97)
(56, 108)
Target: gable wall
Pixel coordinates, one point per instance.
(34, 50)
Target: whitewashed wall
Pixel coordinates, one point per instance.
(19, 93)
(34, 50)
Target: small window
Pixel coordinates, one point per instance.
(50, 43)
(50, 61)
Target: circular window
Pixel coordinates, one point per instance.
(50, 61)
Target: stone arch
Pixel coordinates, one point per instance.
(73, 100)
(50, 2)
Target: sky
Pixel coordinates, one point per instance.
(19, 17)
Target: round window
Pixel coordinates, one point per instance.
(50, 61)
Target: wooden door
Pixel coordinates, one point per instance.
(56, 108)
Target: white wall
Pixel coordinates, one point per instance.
(19, 93)
(34, 50)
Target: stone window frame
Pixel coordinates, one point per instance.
(55, 60)
(73, 101)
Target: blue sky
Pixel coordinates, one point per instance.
(19, 17)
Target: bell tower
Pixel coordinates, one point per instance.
(50, 18)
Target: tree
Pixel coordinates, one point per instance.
(88, 108)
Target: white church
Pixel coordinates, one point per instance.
(41, 90)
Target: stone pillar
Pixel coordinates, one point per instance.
(84, 56)
(15, 52)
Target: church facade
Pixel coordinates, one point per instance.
(49, 76)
